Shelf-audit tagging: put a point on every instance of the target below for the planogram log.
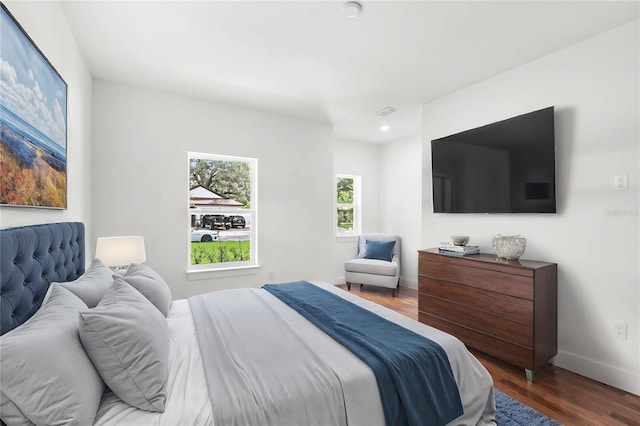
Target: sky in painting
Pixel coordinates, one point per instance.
(29, 87)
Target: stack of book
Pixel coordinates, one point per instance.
(459, 250)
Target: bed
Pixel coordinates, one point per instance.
(239, 356)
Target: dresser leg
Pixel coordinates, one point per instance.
(530, 375)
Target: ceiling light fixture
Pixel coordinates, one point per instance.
(352, 9)
(384, 128)
(386, 111)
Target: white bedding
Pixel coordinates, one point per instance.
(187, 396)
(188, 400)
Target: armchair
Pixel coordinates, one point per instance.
(377, 262)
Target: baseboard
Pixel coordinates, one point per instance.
(409, 283)
(403, 282)
(607, 374)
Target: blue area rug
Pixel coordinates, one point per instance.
(510, 412)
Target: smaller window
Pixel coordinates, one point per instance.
(347, 205)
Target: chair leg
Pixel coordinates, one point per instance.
(361, 286)
(393, 292)
(348, 286)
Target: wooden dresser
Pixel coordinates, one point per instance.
(507, 309)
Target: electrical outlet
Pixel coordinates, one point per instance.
(620, 330)
(620, 183)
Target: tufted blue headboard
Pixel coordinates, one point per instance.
(31, 258)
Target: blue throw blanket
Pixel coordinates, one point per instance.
(413, 373)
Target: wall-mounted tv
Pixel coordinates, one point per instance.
(503, 167)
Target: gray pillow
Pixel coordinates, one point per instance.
(128, 341)
(92, 285)
(150, 284)
(47, 377)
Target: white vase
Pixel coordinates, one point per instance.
(509, 247)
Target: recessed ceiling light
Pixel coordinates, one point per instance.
(352, 9)
(384, 128)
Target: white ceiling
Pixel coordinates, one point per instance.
(306, 59)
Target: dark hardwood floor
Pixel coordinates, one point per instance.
(564, 396)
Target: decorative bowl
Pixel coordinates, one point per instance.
(459, 240)
(509, 247)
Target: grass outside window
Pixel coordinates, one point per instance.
(220, 251)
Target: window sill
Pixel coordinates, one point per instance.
(206, 274)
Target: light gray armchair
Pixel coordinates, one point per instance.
(377, 262)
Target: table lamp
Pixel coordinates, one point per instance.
(119, 252)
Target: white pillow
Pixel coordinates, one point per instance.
(47, 377)
(127, 339)
(148, 282)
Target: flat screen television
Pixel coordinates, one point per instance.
(503, 167)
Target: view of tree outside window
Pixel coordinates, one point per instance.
(222, 211)
(348, 205)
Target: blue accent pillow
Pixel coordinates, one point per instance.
(380, 250)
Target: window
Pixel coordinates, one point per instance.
(348, 205)
(222, 212)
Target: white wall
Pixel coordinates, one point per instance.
(401, 190)
(594, 236)
(141, 139)
(360, 159)
(47, 26)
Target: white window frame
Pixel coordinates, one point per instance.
(356, 205)
(252, 213)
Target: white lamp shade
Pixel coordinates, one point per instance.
(121, 251)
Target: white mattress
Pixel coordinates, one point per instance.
(188, 401)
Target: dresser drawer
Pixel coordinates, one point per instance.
(498, 304)
(441, 268)
(501, 349)
(478, 321)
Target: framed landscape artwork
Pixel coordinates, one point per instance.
(33, 123)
